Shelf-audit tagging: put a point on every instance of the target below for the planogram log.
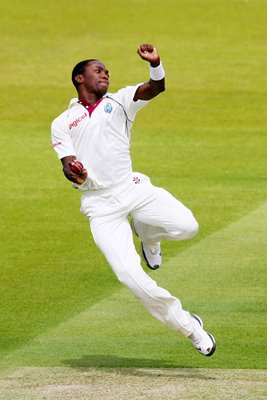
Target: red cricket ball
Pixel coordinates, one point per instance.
(76, 167)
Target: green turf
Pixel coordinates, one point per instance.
(231, 299)
(204, 140)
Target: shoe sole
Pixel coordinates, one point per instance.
(214, 346)
(142, 250)
(147, 263)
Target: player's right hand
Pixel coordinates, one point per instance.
(74, 170)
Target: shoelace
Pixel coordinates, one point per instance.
(195, 338)
(155, 249)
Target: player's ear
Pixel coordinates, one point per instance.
(78, 78)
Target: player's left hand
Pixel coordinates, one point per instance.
(149, 53)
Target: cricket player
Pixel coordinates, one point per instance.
(92, 140)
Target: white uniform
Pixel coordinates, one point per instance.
(112, 192)
(100, 141)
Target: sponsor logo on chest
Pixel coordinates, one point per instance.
(74, 123)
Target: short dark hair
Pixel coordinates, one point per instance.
(79, 69)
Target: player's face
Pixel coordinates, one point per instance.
(95, 78)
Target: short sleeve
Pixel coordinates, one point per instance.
(125, 97)
(61, 141)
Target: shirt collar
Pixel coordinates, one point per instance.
(75, 100)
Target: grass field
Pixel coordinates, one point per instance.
(68, 329)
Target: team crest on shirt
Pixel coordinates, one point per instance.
(108, 108)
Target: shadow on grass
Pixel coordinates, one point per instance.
(132, 366)
(113, 361)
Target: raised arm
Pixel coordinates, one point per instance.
(156, 84)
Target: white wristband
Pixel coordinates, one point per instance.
(157, 73)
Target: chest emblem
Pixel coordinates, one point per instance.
(108, 108)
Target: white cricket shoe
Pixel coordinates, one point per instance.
(151, 254)
(203, 341)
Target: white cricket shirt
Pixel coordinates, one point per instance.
(101, 141)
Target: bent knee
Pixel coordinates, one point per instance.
(187, 229)
(192, 228)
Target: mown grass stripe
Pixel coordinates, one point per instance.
(220, 277)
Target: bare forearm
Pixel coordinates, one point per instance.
(149, 90)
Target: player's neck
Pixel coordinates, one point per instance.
(90, 98)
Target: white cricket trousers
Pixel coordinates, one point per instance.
(158, 216)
